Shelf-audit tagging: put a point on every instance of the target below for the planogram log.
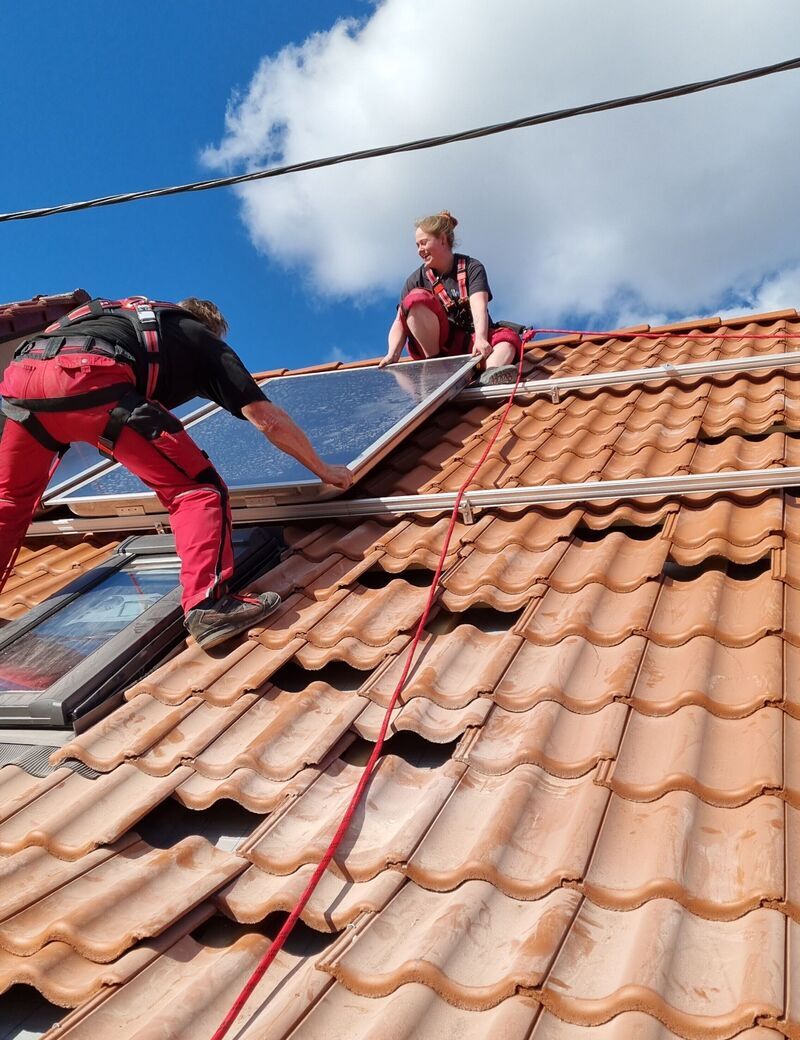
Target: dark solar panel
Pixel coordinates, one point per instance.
(351, 416)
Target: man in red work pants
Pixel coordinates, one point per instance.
(88, 387)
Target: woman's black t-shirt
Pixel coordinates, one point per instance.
(477, 281)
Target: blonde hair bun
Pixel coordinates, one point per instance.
(442, 223)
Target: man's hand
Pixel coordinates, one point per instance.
(481, 347)
(338, 476)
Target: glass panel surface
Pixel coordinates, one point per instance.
(346, 415)
(51, 649)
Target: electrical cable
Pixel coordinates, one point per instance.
(412, 146)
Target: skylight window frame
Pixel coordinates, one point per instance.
(96, 684)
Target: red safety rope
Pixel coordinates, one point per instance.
(711, 334)
(330, 852)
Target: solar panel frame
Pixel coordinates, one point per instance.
(272, 493)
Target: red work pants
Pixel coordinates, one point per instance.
(166, 459)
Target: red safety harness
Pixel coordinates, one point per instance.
(444, 296)
(143, 314)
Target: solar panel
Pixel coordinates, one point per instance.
(353, 417)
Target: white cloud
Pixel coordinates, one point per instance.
(774, 293)
(337, 354)
(670, 208)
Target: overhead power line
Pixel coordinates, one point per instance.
(412, 146)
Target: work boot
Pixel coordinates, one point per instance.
(496, 376)
(229, 616)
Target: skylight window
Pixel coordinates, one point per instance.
(68, 661)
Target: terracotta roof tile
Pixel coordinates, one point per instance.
(66, 978)
(493, 828)
(190, 987)
(335, 904)
(736, 612)
(251, 790)
(352, 651)
(451, 669)
(402, 802)
(536, 530)
(411, 1012)
(281, 733)
(611, 963)
(601, 616)
(501, 945)
(735, 452)
(726, 762)
(563, 742)
(27, 316)
(742, 531)
(130, 896)
(630, 1025)
(576, 673)
(730, 682)
(513, 571)
(73, 815)
(679, 847)
(424, 717)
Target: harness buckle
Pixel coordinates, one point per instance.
(145, 313)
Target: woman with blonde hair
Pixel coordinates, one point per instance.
(444, 307)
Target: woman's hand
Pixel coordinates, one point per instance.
(482, 348)
(390, 359)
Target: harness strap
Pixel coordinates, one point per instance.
(438, 285)
(117, 418)
(76, 403)
(143, 315)
(461, 274)
(43, 349)
(29, 421)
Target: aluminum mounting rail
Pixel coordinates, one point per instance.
(555, 387)
(443, 502)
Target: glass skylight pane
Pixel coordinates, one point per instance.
(59, 643)
(349, 415)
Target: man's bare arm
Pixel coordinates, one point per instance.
(282, 431)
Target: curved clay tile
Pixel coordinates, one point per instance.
(726, 762)
(709, 984)
(681, 848)
(524, 832)
(474, 946)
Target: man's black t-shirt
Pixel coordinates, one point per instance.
(193, 363)
(476, 282)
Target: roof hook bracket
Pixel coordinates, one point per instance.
(467, 514)
(555, 396)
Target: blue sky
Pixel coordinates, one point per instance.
(94, 104)
(677, 209)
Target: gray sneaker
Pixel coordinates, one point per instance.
(230, 616)
(501, 374)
